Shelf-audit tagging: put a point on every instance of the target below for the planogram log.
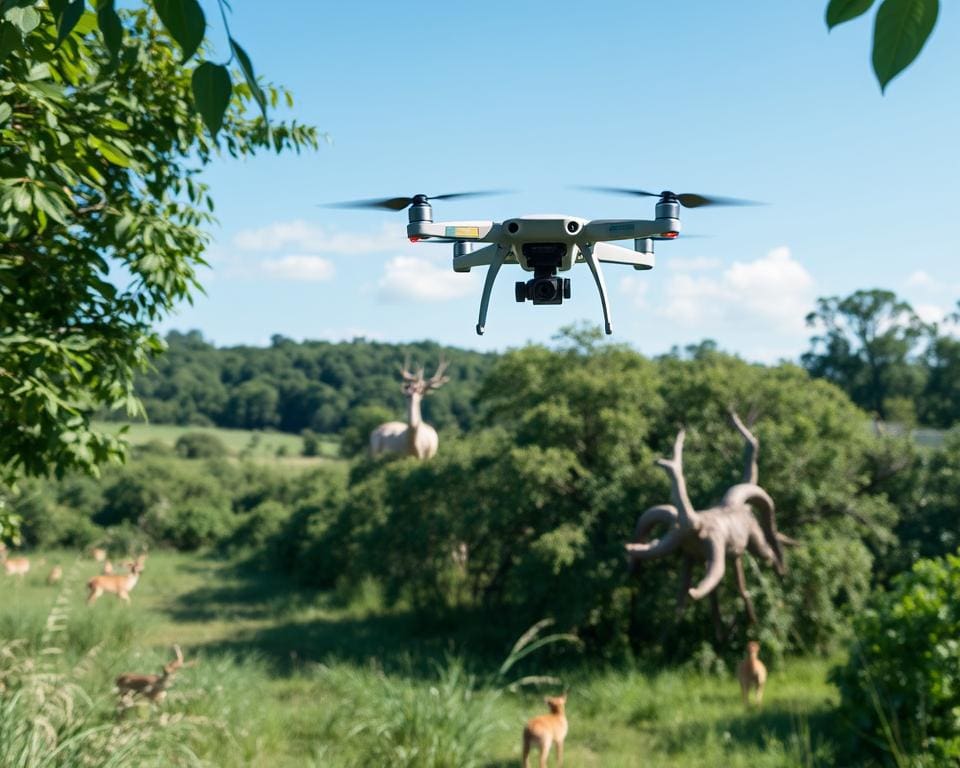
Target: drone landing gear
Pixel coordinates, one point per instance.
(495, 263)
(594, 264)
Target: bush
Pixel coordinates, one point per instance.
(200, 445)
(901, 686)
(355, 438)
(311, 443)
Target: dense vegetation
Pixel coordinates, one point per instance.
(290, 386)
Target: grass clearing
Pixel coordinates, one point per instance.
(255, 444)
(292, 678)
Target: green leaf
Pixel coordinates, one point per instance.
(901, 29)
(840, 11)
(5, 111)
(66, 14)
(10, 39)
(184, 20)
(110, 27)
(27, 19)
(211, 94)
(246, 66)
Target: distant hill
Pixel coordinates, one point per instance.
(292, 386)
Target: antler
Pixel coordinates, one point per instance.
(688, 517)
(750, 450)
(405, 371)
(438, 379)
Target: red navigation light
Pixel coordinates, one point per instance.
(669, 235)
(415, 239)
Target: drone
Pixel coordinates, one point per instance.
(547, 244)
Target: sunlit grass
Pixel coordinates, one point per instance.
(292, 678)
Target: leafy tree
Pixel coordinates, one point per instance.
(901, 686)
(900, 31)
(200, 445)
(101, 215)
(183, 20)
(867, 344)
(939, 404)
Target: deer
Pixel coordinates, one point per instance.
(99, 554)
(119, 584)
(752, 673)
(542, 731)
(14, 566)
(415, 437)
(55, 576)
(152, 687)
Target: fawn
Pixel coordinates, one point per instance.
(752, 673)
(546, 729)
(55, 575)
(152, 687)
(119, 584)
(13, 566)
(99, 554)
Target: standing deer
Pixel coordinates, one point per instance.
(119, 584)
(99, 554)
(152, 687)
(415, 438)
(14, 566)
(55, 576)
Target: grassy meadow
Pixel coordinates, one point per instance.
(290, 678)
(255, 444)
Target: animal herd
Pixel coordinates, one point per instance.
(130, 686)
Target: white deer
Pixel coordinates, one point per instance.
(13, 566)
(415, 438)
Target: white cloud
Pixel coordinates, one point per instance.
(776, 291)
(414, 278)
(930, 313)
(303, 237)
(920, 279)
(300, 267)
(635, 288)
(691, 263)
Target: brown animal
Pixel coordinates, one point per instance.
(107, 567)
(545, 730)
(752, 673)
(55, 575)
(14, 566)
(99, 554)
(119, 584)
(152, 687)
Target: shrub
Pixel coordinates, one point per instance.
(901, 686)
(200, 445)
(311, 443)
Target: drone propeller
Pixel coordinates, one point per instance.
(400, 203)
(686, 199)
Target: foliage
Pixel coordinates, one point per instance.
(866, 345)
(900, 30)
(101, 219)
(184, 21)
(901, 686)
(316, 385)
(539, 503)
(200, 445)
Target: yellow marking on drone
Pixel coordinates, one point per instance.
(462, 232)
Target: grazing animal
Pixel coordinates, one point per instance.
(99, 554)
(752, 673)
(118, 584)
(413, 438)
(55, 575)
(14, 566)
(152, 687)
(107, 567)
(544, 730)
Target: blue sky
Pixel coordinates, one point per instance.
(751, 99)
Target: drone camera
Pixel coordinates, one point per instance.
(545, 287)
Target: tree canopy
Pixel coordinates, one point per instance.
(102, 216)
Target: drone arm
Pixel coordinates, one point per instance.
(617, 254)
(587, 250)
(480, 257)
(495, 263)
(605, 230)
(479, 231)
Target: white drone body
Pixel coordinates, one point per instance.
(546, 245)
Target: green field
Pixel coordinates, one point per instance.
(260, 445)
(293, 678)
